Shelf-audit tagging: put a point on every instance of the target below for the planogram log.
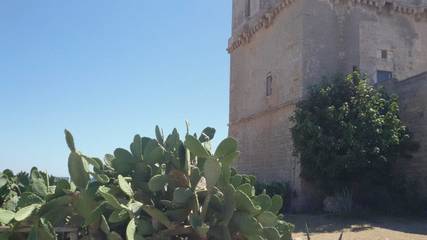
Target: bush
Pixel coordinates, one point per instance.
(162, 188)
(346, 132)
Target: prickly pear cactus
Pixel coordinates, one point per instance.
(161, 188)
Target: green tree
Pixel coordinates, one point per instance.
(348, 133)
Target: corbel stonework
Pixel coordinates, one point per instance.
(263, 21)
(267, 19)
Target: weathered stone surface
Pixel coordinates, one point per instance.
(297, 42)
(412, 94)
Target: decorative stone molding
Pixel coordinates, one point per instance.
(419, 11)
(399, 6)
(263, 21)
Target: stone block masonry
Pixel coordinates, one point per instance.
(279, 48)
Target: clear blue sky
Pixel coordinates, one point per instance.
(106, 70)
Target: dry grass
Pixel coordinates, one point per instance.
(324, 227)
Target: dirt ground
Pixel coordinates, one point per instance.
(323, 227)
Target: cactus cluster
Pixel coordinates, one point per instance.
(162, 188)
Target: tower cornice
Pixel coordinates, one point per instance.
(245, 34)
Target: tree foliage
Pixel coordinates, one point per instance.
(346, 132)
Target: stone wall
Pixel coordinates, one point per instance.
(259, 122)
(412, 94)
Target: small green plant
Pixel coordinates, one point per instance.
(162, 188)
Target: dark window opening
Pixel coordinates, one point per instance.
(384, 54)
(248, 8)
(269, 85)
(384, 76)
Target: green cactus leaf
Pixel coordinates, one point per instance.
(195, 177)
(244, 203)
(28, 198)
(228, 159)
(153, 152)
(114, 236)
(276, 204)
(207, 134)
(95, 162)
(267, 219)
(172, 141)
(136, 147)
(144, 227)
(226, 147)
(105, 228)
(62, 186)
(236, 180)
(11, 203)
(45, 230)
(270, 233)
(248, 189)
(178, 215)
(158, 215)
(94, 215)
(159, 135)
(118, 215)
(182, 196)
(104, 192)
(38, 186)
(26, 212)
(264, 201)
(212, 172)
(285, 229)
(195, 220)
(77, 168)
(125, 186)
(70, 140)
(143, 173)
(157, 183)
(131, 230)
(123, 162)
(101, 178)
(6, 216)
(135, 206)
(246, 224)
(229, 203)
(195, 146)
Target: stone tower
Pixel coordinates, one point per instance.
(279, 48)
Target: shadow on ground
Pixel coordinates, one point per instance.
(330, 224)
